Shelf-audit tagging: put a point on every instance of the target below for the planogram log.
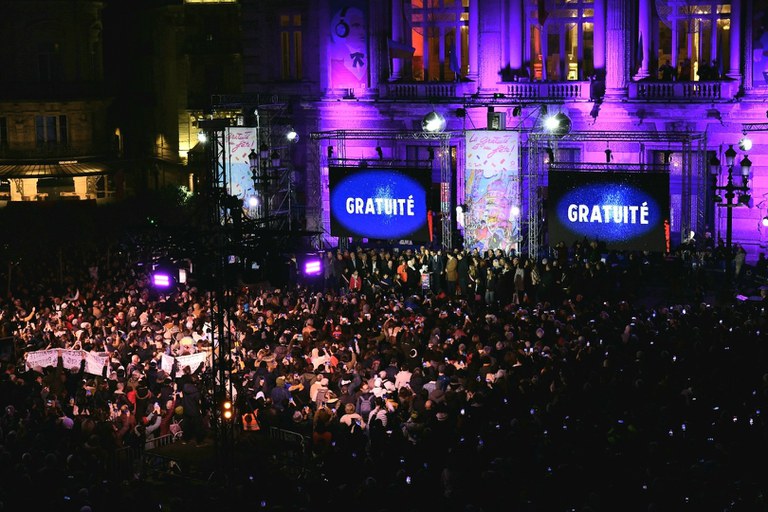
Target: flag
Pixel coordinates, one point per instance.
(453, 62)
(398, 50)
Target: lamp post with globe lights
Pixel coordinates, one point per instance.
(734, 196)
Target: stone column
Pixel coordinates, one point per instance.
(734, 69)
(474, 40)
(598, 36)
(644, 31)
(398, 26)
(515, 36)
(618, 46)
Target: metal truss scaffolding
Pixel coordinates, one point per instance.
(335, 154)
(273, 173)
(223, 218)
(692, 175)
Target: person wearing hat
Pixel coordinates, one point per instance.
(281, 397)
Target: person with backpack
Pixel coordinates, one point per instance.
(366, 402)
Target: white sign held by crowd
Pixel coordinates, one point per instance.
(71, 360)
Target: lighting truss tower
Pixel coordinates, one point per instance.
(223, 219)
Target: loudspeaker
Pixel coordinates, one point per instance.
(342, 27)
(497, 120)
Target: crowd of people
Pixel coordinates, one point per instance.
(420, 379)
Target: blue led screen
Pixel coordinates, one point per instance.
(626, 210)
(379, 203)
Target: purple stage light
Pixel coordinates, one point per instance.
(161, 280)
(312, 267)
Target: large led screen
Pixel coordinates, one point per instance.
(626, 210)
(379, 203)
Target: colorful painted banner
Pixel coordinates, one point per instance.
(239, 143)
(492, 190)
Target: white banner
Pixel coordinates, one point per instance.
(71, 359)
(41, 358)
(166, 363)
(95, 362)
(192, 360)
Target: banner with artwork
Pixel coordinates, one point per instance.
(492, 190)
(348, 48)
(239, 143)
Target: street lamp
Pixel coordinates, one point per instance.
(734, 196)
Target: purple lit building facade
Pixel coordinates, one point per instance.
(655, 82)
(670, 83)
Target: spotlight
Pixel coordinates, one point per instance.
(253, 202)
(745, 144)
(380, 152)
(558, 124)
(202, 137)
(551, 123)
(514, 212)
(433, 122)
(292, 136)
(516, 111)
(330, 152)
(430, 153)
(226, 408)
(764, 222)
(667, 156)
(550, 156)
(608, 156)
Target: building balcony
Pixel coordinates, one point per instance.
(426, 90)
(541, 91)
(56, 152)
(522, 91)
(705, 92)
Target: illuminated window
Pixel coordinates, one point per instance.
(567, 50)
(290, 46)
(440, 36)
(51, 130)
(695, 38)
